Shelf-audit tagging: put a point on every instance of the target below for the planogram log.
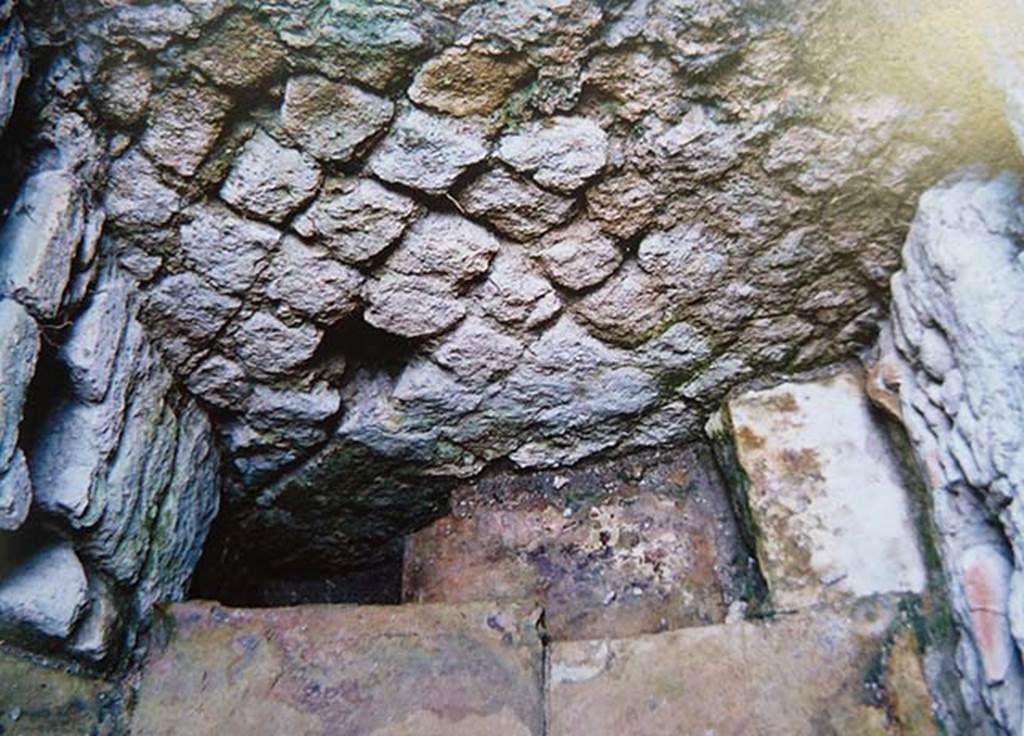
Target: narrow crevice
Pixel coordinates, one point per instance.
(19, 143)
(47, 390)
(545, 673)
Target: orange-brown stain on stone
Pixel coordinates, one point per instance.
(747, 439)
(801, 464)
(987, 619)
(784, 402)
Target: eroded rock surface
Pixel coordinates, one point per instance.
(950, 368)
(13, 62)
(109, 477)
(802, 674)
(269, 180)
(369, 249)
(40, 240)
(332, 121)
(44, 596)
(644, 204)
(19, 346)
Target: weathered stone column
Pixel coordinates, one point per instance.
(109, 476)
(954, 357)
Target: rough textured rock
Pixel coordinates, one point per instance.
(269, 180)
(136, 196)
(950, 368)
(220, 381)
(428, 152)
(123, 90)
(129, 474)
(377, 46)
(39, 239)
(627, 309)
(579, 256)
(688, 259)
(412, 307)
(240, 52)
(185, 513)
(111, 468)
(478, 350)
(561, 154)
(756, 201)
(468, 81)
(356, 218)
(225, 249)
(19, 348)
(127, 468)
(313, 284)
(15, 492)
(91, 348)
(13, 65)
(638, 82)
(382, 670)
(624, 203)
(445, 246)
(266, 346)
(184, 313)
(656, 684)
(516, 295)
(755, 167)
(821, 491)
(330, 120)
(45, 595)
(518, 208)
(183, 124)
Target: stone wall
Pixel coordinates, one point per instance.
(367, 249)
(388, 241)
(951, 367)
(108, 473)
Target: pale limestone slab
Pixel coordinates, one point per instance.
(823, 491)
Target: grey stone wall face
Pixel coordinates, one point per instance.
(954, 356)
(109, 475)
(363, 249)
(577, 226)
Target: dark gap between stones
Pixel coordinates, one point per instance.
(377, 583)
(50, 385)
(362, 346)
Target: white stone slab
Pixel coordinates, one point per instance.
(824, 491)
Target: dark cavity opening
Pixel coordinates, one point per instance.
(378, 582)
(358, 345)
(344, 535)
